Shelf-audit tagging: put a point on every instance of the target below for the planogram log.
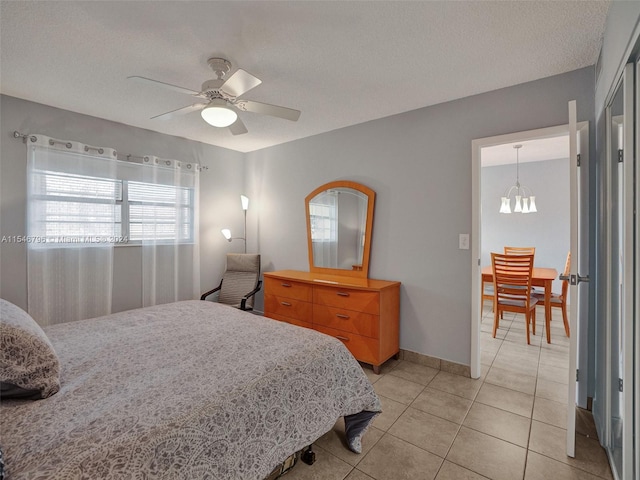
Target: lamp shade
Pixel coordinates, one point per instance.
(227, 233)
(532, 204)
(218, 114)
(518, 207)
(245, 202)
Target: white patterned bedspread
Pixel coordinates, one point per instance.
(190, 390)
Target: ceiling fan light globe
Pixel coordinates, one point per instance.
(219, 115)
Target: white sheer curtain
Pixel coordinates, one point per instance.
(324, 230)
(72, 222)
(165, 217)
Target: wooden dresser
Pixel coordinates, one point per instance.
(363, 313)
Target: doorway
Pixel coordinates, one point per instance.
(579, 208)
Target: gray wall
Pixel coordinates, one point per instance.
(419, 164)
(548, 229)
(221, 186)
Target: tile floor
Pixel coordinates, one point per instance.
(509, 424)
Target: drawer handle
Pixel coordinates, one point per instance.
(344, 339)
(286, 304)
(340, 315)
(343, 294)
(286, 285)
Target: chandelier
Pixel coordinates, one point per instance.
(524, 203)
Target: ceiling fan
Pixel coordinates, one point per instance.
(219, 104)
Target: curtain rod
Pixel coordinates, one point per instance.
(33, 138)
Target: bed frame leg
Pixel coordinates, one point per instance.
(309, 456)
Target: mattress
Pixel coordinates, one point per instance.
(185, 390)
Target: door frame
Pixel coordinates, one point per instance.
(476, 247)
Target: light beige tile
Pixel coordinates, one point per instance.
(398, 389)
(326, 467)
(585, 424)
(442, 404)
(551, 442)
(389, 365)
(554, 373)
(335, 442)
(456, 384)
(358, 475)
(373, 377)
(514, 381)
(548, 411)
(394, 459)
(499, 423)
(554, 357)
(506, 399)
(487, 455)
(487, 358)
(391, 410)
(515, 363)
(431, 433)
(451, 471)
(540, 467)
(558, 392)
(414, 372)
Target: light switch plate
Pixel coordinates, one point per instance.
(463, 241)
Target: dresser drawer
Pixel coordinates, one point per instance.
(364, 349)
(351, 299)
(287, 307)
(288, 288)
(347, 320)
(292, 321)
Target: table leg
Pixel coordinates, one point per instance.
(547, 308)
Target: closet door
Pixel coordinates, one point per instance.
(620, 276)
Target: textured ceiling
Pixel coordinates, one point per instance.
(539, 150)
(339, 62)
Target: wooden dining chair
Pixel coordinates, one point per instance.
(519, 250)
(559, 300)
(512, 288)
(487, 292)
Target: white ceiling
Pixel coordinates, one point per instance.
(340, 62)
(539, 150)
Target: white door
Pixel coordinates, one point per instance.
(578, 293)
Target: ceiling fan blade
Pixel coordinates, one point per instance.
(237, 127)
(239, 83)
(180, 111)
(266, 109)
(175, 88)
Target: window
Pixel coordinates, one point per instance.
(71, 208)
(323, 222)
(160, 212)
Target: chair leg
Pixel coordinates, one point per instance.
(496, 320)
(565, 320)
(533, 319)
(527, 320)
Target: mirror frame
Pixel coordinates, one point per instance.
(371, 195)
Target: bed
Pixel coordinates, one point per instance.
(189, 390)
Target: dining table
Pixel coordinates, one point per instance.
(540, 277)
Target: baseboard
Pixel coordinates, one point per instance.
(434, 362)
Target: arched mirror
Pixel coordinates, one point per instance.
(339, 222)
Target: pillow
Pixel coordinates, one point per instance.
(29, 366)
